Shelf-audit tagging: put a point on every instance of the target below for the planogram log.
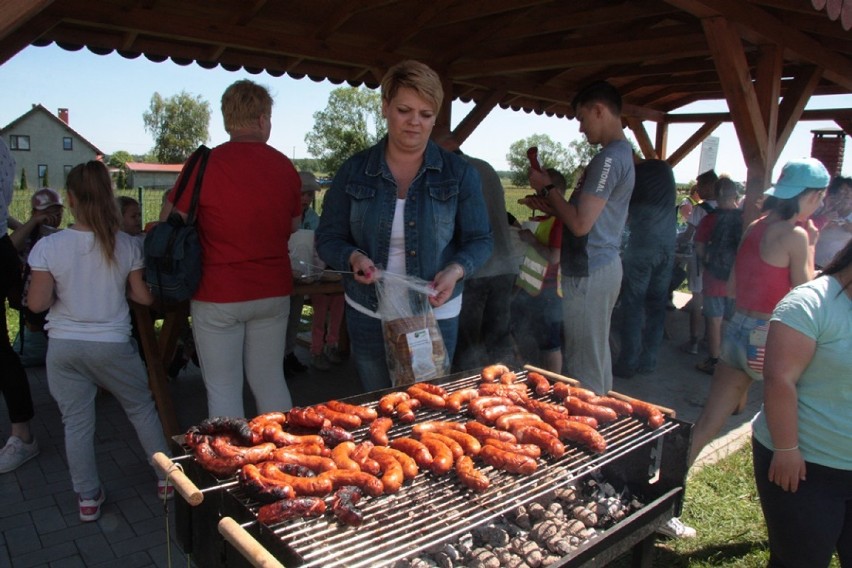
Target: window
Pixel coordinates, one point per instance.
(17, 142)
(65, 171)
(42, 172)
(67, 143)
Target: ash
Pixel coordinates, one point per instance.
(536, 534)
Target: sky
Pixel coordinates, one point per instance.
(107, 95)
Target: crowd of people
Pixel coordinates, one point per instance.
(413, 208)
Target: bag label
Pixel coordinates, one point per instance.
(420, 347)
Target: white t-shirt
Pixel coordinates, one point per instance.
(91, 302)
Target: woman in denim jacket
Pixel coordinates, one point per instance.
(409, 207)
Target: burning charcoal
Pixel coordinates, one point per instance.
(452, 552)
(510, 560)
(491, 536)
(561, 545)
(528, 550)
(549, 559)
(545, 530)
(555, 511)
(522, 518)
(576, 528)
(567, 494)
(421, 562)
(483, 558)
(585, 515)
(536, 511)
(465, 544)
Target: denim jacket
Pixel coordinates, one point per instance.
(445, 218)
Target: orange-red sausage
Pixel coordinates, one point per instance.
(457, 399)
(312, 462)
(482, 432)
(405, 410)
(582, 434)
(286, 509)
(454, 446)
(547, 442)
(432, 388)
(621, 407)
(387, 404)
(530, 450)
(361, 456)
(442, 456)
(316, 486)
(370, 484)
(493, 372)
(435, 426)
(263, 488)
(392, 474)
(365, 413)
(409, 466)
(492, 414)
(587, 420)
(468, 443)
(342, 456)
(469, 476)
(648, 412)
(379, 430)
(600, 413)
(508, 461)
(305, 417)
(342, 419)
(413, 448)
(428, 399)
(539, 383)
(505, 421)
(561, 390)
(500, 389)
(480, 403)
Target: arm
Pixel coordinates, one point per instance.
(20, 234)
(801, 250)
(40, 294)
(137, 289)
(788, 353)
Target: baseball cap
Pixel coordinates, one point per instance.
(309, 182)
(797, 176)
(44, 198)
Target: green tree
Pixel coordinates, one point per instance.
(178, 124)
(24, 185)
(351, 122)
(118, 160)
(551, 154)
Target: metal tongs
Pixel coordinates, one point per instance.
(400, 278)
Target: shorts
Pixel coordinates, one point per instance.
(695, 275)
(540, 317)
(744, 344)
(718, 307)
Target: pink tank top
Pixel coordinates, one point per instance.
(760, 286)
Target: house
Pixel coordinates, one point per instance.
(44, 144)
(152, 176)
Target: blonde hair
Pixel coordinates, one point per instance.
(95, 205)
(243, 103)
(414, 75)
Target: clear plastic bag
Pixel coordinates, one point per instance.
(413, 342)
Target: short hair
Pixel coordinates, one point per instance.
(557, 179)
(837, 184)
(414, 75)
(708, 177)
(598, 92)
(244, 102)
(124, 202)
(726, 189)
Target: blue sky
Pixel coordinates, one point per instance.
(106, 96)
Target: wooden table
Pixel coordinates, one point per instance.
(160, 350)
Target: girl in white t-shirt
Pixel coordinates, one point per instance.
(85, 274)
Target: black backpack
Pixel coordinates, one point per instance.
(720, 251)
(173, 248)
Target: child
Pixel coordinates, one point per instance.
(131, 215)
(82, 274)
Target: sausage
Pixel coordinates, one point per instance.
(562, 390)
(648, 412)
(405, 410)
(342, 456)
(310, 448)
(530, 450)
(540, 424)
(468, 443)
(492, 414)
(315, 463)
(428, 399)
(387, 404)
(333, 435)
(369, 484)
(290, 509)
(539, 383)
(600, 413)
(482, 432)
(365, 413)
(442, 456)
(493, 372)
(499, 389)
(342, 419)
(305, 417)
(221, 458)
(273, 432)
(343, 506)
(379, 430)
(456, 399)
(435, 426)
(469, 476)
(414, 448)
(391, 469)
(582, 434)
(547, 442)
(409, 466)
(268, 420)
(455, 448)
(508, 461)
(217, 425)
(587, 420)
(505, 421)
(262, 488)
(432, 388)
(480, 403)
(318, 486)
(508, 378)
(361, 456)
(621, 407)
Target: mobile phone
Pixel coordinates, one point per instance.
(532, 156)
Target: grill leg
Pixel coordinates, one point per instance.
(643, 552)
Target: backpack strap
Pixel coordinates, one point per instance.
(197, 162)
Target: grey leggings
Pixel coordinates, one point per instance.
(75, 370)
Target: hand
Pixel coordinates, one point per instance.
(444, 283)
(538, 179)
(538, 203)
(527, 236)
(787, 469)
(365, 272)
(813, 232)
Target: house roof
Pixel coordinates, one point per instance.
(38, 108)
(155, 168)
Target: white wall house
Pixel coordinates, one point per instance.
(152, 176)
(44, 143)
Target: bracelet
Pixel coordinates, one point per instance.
(793, 449)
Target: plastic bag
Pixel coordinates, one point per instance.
(414, 346)
(302, 253)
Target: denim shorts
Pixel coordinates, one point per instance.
(717, 306)
(744, 344)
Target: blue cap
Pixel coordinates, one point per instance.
(797, 176)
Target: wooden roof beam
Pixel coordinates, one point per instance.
(23, 23)
(792, 107)
(645, 145)
(476, 115)
(692, 142)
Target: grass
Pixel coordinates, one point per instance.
(722, 504)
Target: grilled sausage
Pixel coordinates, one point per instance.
(582, 434)
(492, 414)
(343, 506)
(500, 389)
(379, 430)
(562, 390)
(505, 421)
(262, 488)
(648, 412)
(414, 448)
(482, 432)
(600, 413)
(457, 399)
(508, 461)
(342, 419)
(405, 410)
(469, 476)
(342, 456)
(547, 442)
(290, 509)
(333, 435)
(455, 448)
(428, 399)
(365, 413)
(369, 484)
(387, 404)
(318, 486)
(361, 456)
(530, 450)
(432, 388)
(409, 466)
(442, 456)
(493, 372)
(508, 378)
(315, 463)
(305, 417)
(435, 426)
(468, 443)
(621, 407)
(392, 474)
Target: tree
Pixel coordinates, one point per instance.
(352, 121)
(119, 160)
(179, 125)
(551, 154)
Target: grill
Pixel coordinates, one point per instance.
(430, 510)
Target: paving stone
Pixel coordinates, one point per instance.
(45, 556)
(22, 539)
(48, 520)
(95, 549)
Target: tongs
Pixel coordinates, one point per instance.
(400, 278)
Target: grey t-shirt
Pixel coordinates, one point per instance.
(610, 175)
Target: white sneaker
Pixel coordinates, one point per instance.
(674, 528)
(16, 452)
(90, 509)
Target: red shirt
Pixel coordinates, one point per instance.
(712, 286)
(760, 286)
(249, 197)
